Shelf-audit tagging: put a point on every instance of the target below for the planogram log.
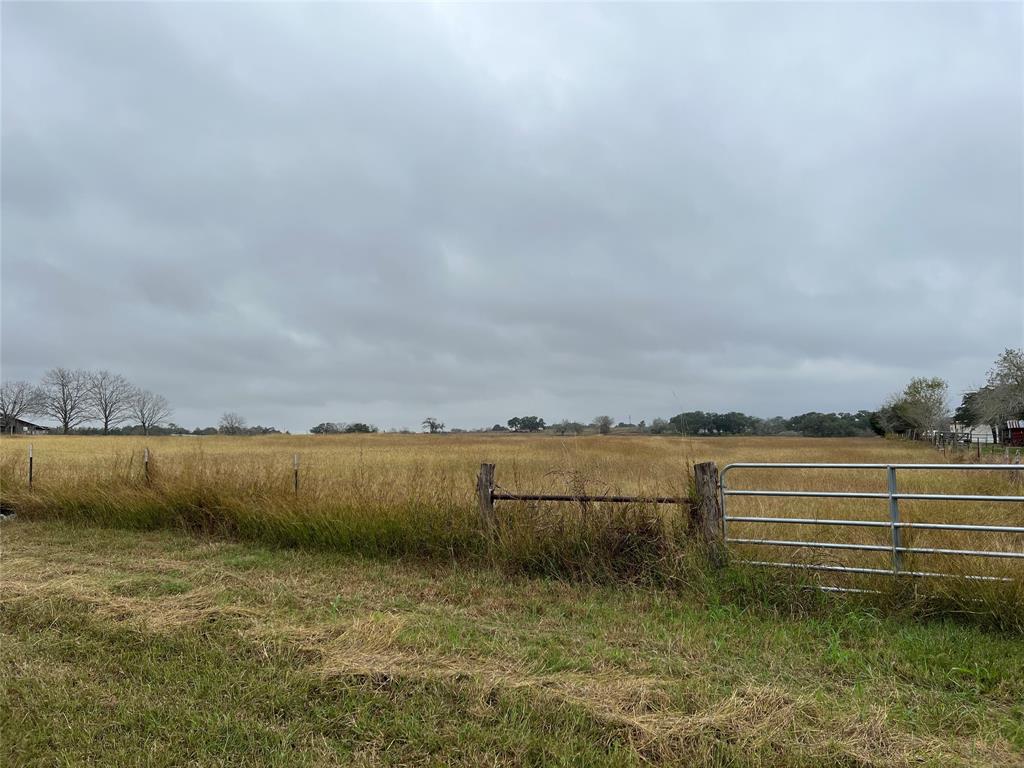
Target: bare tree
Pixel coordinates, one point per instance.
(603, 424)
(17, 399)
(149, 409)
(432, 425)
(231, 423)
(1002, 397)
(66, 397)
(110, 398)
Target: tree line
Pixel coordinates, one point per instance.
(812, 424)
(1001, 398)
(101, 402)
(341, 427)
(73, 397)
(923, 405)
(920, 408)
(230, 423)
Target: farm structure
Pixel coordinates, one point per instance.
(1013, 433)
(22, 427)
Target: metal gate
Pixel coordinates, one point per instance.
(894, 526)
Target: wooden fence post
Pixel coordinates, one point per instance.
(145, 464)
(706, 516)
(30, 466)
(485, 497)
(295, 471)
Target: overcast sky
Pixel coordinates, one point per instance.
(380, 213)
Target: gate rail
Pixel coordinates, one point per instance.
(894, 524)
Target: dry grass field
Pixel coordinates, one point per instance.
(414, 494)
(365, 621)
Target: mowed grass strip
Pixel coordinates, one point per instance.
(124, 648)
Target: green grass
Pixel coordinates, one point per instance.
(119, 695)
(127, 648)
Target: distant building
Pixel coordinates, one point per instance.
(975, 433)
(1013, 432)
(21, 427)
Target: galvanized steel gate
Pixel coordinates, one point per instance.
(894, 524)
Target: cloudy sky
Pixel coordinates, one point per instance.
(379, 213)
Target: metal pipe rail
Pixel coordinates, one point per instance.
(879, 524)
(878, 571)
(875, 547)
(895, 525)
(869, 495)
(505, 496)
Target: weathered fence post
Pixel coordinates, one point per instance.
(485, 497)
(145, 464)
(706, 516)
(30, 466)
(295, 471)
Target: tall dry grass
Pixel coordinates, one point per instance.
(415, 495)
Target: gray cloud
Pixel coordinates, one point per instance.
(378, 212)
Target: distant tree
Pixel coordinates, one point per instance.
(135, 429)
(326, 428)
(659, 426)
(526, 424)
(231, 423)
(110, 398)
(603, 424)
(499, 428)
(967, 413)
(923, 404)
(772, 426)
(204, 431)
(889, 418)
(1002, 397)
(360, 427)
(865, 420)
(66, 397)
(432, 425)
(732, 423)
(17, 399)
(149, 409)
(877, 422)
(694, 423)
(259, 429)
(815, 424)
